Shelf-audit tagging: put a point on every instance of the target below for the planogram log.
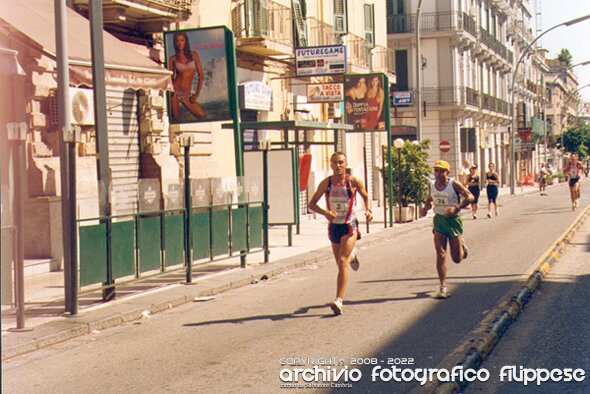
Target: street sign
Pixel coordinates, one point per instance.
(402, 98)
(444, 146)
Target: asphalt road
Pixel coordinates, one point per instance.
(552, 333)
(243, 340)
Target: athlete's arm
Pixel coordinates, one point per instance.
(463, 192)
(427, 204)
(313, 203)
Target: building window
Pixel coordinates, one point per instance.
(340, 17)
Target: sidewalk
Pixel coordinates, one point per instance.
(44, 292)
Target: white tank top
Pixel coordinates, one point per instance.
(442, 199)
(341, 200)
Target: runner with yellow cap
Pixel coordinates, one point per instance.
(445, 195)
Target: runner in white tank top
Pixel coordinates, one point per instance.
(339, 191)
(444, 195)
(574, 171)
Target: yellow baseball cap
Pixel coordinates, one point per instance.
(443, 165)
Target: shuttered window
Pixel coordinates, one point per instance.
(299, 22)
(340, 17)
(369, 16)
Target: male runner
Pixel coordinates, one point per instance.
(445, 194)
(340, 190)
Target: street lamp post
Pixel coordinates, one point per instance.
(520, 59)
(418, 69)
(398, 143)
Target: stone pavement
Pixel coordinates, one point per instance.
(137, 299)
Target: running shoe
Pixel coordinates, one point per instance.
(465, 251)
(497, 211)
(573, 206)
(354, 261)
(474, 216)
(336, 306)
(489, 215)
(443, 293)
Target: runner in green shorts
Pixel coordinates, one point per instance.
(445, 195)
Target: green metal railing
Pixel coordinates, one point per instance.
(155, 241)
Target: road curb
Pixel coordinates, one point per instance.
(506, 314)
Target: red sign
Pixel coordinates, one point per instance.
(444, 146)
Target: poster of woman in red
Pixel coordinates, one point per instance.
(364, 101)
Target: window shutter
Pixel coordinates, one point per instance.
(299, 23)
(340, 17)
(369, 13)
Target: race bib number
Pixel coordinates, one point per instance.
(441, 202)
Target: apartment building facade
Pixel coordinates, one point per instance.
(468, 52)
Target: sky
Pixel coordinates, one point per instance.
(575, 38)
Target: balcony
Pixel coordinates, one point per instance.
(320, 33)
(430, 22)
(384, 61)
(358, 53)
(130, 18)
(264, 31)
(472, 97)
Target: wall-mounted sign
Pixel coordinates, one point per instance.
(403, 98)
(328, 60)
(255, 95)
(325, 92)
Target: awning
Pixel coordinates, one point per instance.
(34, 20)
(9, 64)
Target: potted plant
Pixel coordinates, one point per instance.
(410, 173)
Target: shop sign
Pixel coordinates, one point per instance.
(327, 60)
(255, 95)
(325, 92)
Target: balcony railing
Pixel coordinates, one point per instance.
(358, 50)
(461, 96)
(471, 97)
(384, 59)
(320, 33)
(447, 21)
(273, 22)
(469, 24)
(430, 22)
(495, 45)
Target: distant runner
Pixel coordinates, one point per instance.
(574, 170)
(474, 189)
(492, 181)
(543, 174)
(445, 194)
(343, 230)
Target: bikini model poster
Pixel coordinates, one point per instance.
(200, 77)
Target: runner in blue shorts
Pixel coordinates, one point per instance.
(340, 190)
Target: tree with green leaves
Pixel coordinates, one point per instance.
(577, 139)
(414, 172)
(565, 56)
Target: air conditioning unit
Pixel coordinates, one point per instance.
(81, 106)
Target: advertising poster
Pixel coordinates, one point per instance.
(198, 61)
(364, 101)
(324, 92)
